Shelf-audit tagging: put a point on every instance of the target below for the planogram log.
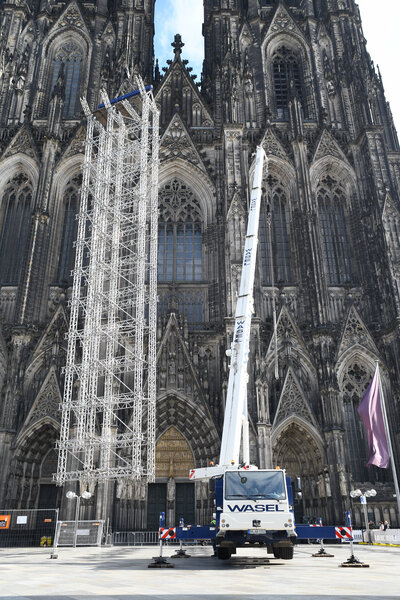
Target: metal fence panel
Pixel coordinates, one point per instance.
(145, 538)
(135, 538)
(88, 533)
(27, 527)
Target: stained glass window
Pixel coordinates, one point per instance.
(335, 244)
(354, 385)
(15, 213)
(274, 211)
(356, 380)
(70, 225)
(70, 56)
(179, 234)
(287, 80)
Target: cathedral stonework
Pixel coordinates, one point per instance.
(294, 76)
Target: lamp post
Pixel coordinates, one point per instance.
(85, 495)
(363, 499)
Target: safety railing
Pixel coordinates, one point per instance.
(141, 538)
(134, 538)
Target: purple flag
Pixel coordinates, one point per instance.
(370, 410)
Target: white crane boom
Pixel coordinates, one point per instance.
(236, 400)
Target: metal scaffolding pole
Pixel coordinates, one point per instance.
(108, 410)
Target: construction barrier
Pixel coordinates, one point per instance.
(167, 533)
(357, 536)
(27, 527)
(86, 533)
(390, 536)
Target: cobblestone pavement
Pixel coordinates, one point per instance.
(122, 574)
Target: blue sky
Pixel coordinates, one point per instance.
(184, 17)
(381, 28)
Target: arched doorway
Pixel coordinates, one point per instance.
(35, 460)
(49, 493)
(172, 492)
(301, 454)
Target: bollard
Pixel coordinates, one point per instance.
(322, 553)
(159, 562)
(352, 561)
(181, 553)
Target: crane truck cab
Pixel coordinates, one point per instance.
(253, 509)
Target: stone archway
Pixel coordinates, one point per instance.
(301, 454)
(30, 481)
(188, 421)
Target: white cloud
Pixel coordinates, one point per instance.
(184, 17)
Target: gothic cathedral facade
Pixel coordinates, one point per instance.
(292, 75)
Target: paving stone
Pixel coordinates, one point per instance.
(122, 574)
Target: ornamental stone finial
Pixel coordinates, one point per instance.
(177, 45)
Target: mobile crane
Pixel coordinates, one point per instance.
(253, 506)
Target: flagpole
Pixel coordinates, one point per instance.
(389, 441)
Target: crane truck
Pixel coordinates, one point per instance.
(253, 507)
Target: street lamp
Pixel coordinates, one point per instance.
(363, 499)
(85, 495)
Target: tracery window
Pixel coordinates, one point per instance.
(179, 234)
(68, 60)
(70, 227)
(354, 385)
(189, 304)
(355, 382)
(15, 219)
(274, 210)
(332, 222)
(287, 80)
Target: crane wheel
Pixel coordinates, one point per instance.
(223, 553)
(283, 552)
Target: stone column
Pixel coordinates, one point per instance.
(263, 426)
(6, 438)
(171, 494)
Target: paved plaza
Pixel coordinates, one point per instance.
(122, 573)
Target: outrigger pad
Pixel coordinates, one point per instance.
(355, 563)
(323, 553)
(181, 554)
(160, 563)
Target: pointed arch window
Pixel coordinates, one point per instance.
(15, 219)
(334, 236)
(355, 382)
(274, 235)
(287, 80)
(179, 234)
(68, 61)
(70, 227)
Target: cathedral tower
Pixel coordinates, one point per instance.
(296, 77)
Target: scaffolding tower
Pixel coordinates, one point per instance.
(108, 410)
